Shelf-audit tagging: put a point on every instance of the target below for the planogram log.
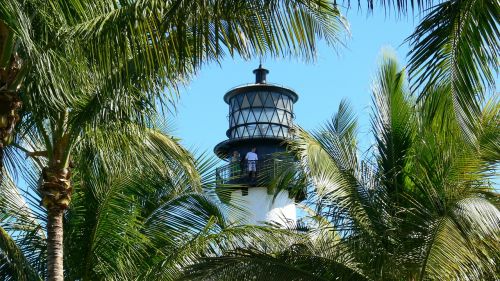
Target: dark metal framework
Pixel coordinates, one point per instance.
(260, 114)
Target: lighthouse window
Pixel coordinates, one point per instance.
(280, 103)
(245, 113)
(260, 114)
(258, 132)
(239, 131)
(245, 103)
(251, 117)
(245, 132)
(280, 132)
(257, 113)
(266, 114)
(251, 97)
(275, 119)
(281, 116)
(263, 129)
(283, 131)
(263, 98)
(289, 119)
(257, 101)
(269, 100)
(276, 97)
(232, 119)
(288, 105)
(275, 129)
(240, 119)
(251, 129)
(239, 99)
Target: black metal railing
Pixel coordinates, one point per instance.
(237, 173)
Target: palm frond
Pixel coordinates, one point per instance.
(393, 124)
(170, 40)
(457, 44)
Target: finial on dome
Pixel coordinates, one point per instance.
(260, 74)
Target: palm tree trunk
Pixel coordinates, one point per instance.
(1, 163)
(56, 193)
(10, 79)
(55, 244)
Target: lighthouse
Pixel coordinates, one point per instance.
(260, 120)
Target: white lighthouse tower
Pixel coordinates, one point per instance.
(260, 118)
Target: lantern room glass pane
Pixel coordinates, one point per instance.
(251, 129)
(239, 131)
(258, 132)
(288, 119)
(245, 103)
(245, 113)
(281, 116)
(250, 97)
(263, 97)
(285, 132)
(280, 132)
(276, 97)
(263, 129)
(239, 100)
(240, 119)
(275, 129)
(280, 104)
(257, 113)
(257, 101)
(245, 132)
(274, 118)
(288, 105)
(236, 114)
(269, 99)
(251, 117)
(269, 114)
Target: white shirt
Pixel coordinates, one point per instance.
(251, 156)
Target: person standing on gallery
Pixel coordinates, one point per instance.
(252, 158)
(235, 164)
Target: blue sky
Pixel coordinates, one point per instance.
(345, 72)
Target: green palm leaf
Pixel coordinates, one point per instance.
(457, 44)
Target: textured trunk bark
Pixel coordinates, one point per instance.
(10, 74)
(55, 244)
(1, 163)
(56, 192)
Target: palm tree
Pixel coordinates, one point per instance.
(420, 206)
(80, 55)
(120, 222)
